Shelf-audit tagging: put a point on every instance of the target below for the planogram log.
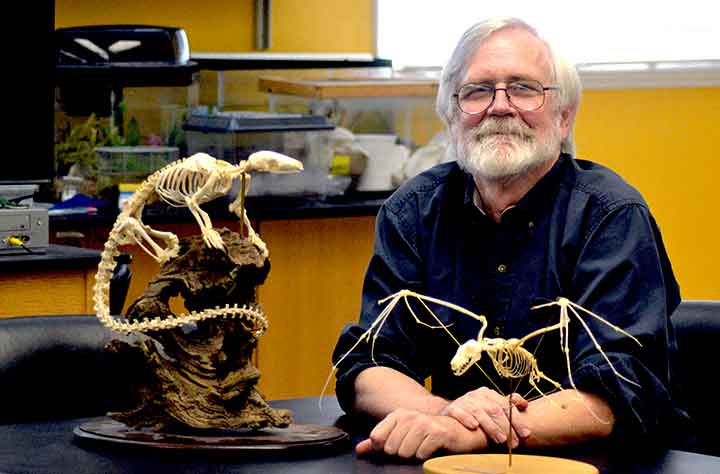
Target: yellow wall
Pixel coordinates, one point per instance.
(664, 142)
(307, 26)
(660, 140)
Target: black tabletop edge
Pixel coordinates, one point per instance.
(258, 208)
(55, 257)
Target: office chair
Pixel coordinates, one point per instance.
(697, 325)
(54, 367)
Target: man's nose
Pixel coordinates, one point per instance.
(501, 104)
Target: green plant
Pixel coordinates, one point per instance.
(132, 132)
(77, 145)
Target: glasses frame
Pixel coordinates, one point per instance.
(509, 97)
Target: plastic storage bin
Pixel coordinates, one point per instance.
(233, 136)
(131, 164)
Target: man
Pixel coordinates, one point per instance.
(514, 223)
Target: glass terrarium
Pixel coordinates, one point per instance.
(234, 135)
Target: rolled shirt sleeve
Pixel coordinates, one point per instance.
(623, 271)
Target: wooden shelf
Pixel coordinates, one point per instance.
(255, 61)
(349, 88)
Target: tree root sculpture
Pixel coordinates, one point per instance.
(202, 378)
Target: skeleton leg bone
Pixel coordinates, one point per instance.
(536, 375)
(533, 380)
(238, 205)
(210, 235)
(238, 208)
(173, 244)
(137, 232)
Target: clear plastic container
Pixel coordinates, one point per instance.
(233, 136)
(131, 164)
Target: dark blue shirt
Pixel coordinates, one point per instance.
(581, 232)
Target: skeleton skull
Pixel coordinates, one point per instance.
(465, 356)
(271, 161)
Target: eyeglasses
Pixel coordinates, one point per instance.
(527, 95)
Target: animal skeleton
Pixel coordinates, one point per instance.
(511, 360)
(189, 183)
(508, 356)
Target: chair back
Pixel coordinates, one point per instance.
(55, 367)
(697, 326)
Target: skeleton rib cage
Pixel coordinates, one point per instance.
(177, 186)
(512, 362)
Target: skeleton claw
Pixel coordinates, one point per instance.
(212, 239)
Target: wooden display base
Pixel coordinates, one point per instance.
(294, 439)
(498, 464)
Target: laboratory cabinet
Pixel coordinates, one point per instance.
(317, 265)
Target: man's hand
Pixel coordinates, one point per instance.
(488, 410)
(410, 433)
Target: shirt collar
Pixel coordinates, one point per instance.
(543, 194)
(534, 200)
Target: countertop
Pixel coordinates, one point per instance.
(258, 208)
(57, 256)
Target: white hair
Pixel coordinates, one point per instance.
(564, 74)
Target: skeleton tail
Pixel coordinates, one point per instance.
(101, 290)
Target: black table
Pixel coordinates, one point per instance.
(49, 447)
(352, 204)
(57, 257)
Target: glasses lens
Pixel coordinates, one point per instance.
(475, 98)
(526, 95)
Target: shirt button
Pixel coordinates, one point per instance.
(502, 268)
(497, 331)
(531, 225)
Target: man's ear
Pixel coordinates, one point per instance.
(566, 119)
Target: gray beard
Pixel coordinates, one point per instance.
(499, 149)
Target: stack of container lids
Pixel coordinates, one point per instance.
(248, 122)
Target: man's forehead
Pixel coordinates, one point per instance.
(510, 53)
